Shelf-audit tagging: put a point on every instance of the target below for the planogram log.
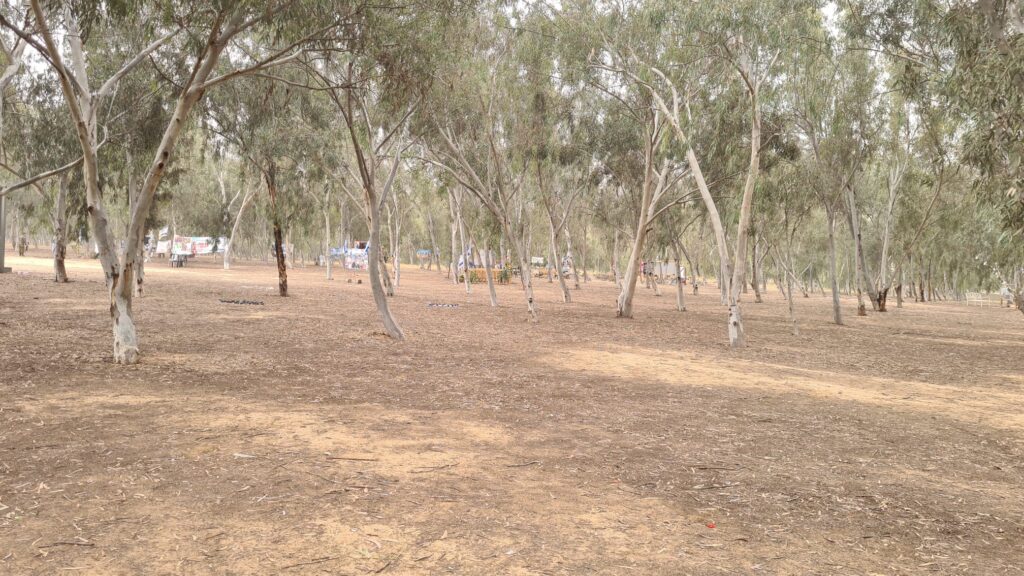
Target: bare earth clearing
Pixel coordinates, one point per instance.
(293, 438)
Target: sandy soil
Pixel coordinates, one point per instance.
(293, 438)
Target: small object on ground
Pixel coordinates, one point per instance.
(359, 281)
(710, 524)
(349, 280)
(247, 302)
(437, 305)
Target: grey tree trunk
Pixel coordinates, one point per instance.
(755, 272)
(60, 229)
(625, 303)
(553, 240)
(490, 279)
(837, 312)
(453, 265)
(466, 258)
(327, 241)
(680, 293)
(572, 260)
(229, 248)
(615, 262)
(380, 299)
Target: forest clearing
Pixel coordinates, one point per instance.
(293, 437)
(527, 287)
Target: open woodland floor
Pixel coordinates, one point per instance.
(293, 438)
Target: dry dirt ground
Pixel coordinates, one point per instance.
(293, 438)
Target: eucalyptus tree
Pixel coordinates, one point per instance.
(742, 40)
(474, 130)
(42, 140)
(66, 38)
(831, 101)
(375, 86)
(260, 120)
(968, 58)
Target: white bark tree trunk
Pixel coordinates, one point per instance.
(488, 264)
(229, 247)
(60, 229)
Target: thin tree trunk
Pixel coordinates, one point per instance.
(615, 261)
(490, 278)
(462, 245)
(435, 254)
(553, 239)
(680, 296)
(453, 268)
(572, 259)
(282, 266)
(380, 299)
(837, 312)
(755, 280)
(327, 239)
(60, 232)
(229, 248)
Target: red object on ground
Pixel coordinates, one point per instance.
(710, 524)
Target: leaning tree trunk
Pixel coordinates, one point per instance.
(525, 275)
(553, 237)
(373, 262)
(385, 277)
(60, 229)
(140, 275)
(229, 248)
(625, 302)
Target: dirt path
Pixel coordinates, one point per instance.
(292, 438)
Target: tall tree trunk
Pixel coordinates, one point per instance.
(435, 254)
(373, 259)
(282, 265)
(789, 291)
(755, 280)
(465, 255)
(488, 264)
(625, 303)
(862, 273)
(837, 312)
(680, 297)
(553, 239)
(737, 337)
(385, 276)
(572, 260)
(583, 254)
(327, 240)
(60, 229)
(453, 265)
(229, 248)
(899, 287)
(615, 261)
